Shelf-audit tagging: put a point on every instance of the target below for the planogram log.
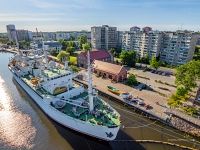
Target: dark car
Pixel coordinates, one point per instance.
(148, 107)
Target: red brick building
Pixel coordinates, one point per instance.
(102, 55)
(108, 70)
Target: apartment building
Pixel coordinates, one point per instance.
(104, 37)
(145, 42)
(72, 34)
(11, 32)
(24, 35)
(178, 47)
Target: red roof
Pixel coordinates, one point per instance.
(107, 67)
(96, 54)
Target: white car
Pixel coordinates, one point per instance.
(125, 95)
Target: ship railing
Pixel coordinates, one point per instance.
(72, 103)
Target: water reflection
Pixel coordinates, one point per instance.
(15, 127)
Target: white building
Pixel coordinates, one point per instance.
(144, 43)
(178, 47)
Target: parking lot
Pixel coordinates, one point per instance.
(164, 84)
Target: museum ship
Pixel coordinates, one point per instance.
(50, 84)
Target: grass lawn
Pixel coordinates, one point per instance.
(73, 60)
(115, 59)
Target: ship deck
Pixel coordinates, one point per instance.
(104, 118)
(54, 72)
(41, 91)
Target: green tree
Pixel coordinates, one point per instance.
(186, 78)
(82, 39)
(72, 38)
(4, 40)
(154, 63)
(63, 56)
(86, 46)
(181, 91)
(64, 43)
(197, 53)
(188, 74)
(71, 44)
(70, 50)
(128, 58)
(24, 44)
(131, 80)
(112, 51)
(144, 60)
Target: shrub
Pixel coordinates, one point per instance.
(132, 80)
(73, 60)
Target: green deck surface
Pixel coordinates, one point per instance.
(106, 118)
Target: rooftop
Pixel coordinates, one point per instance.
(96, 54)
(107, 67)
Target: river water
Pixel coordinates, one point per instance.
(24, 126)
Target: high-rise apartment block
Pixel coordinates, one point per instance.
(11, 31)
(145, 42)
(104, 37)
(178, 47)
(24, 35)
(174, 48)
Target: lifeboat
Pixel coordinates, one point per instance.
(35, 81)
(59, 90)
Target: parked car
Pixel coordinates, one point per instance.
(141, 102)
(148, 107)
(125, 95)
(134, 100)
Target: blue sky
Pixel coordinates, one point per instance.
(56, 15)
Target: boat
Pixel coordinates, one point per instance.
(52, 88)
(114, 90)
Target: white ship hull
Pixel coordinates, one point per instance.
(98, 131)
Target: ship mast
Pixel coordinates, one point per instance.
(45, 53)
(90, 89)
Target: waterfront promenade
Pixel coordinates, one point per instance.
(160, 110)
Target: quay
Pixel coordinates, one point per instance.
(8, 50)
(164, 117)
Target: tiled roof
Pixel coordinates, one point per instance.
(96, 54)
(107, 67)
